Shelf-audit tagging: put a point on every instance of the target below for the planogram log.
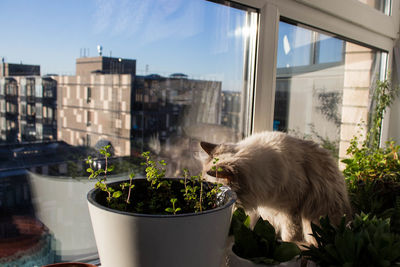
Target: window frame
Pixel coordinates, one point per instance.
(370, 28)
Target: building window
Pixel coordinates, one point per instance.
(23, 109)
(47, 112)
(88, 118)
(88, 94)
(30, 110)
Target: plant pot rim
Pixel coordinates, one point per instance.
(248, 262)
(67, 264)
(229, 193)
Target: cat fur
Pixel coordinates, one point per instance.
(287, 180)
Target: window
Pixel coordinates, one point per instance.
(30, 87)
(31, 110)
(23, 109)
(47, 113)
(326, 94)
(88, 94)
(88, 118)
(169, 76)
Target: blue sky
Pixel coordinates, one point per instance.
(199, 38)
(196, 37)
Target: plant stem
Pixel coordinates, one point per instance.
(129, 190)
(201, 194)
(105, 177)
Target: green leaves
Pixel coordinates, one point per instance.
(117, 194)
(101, 176)
(286, 251)
(365, 242)
(265, 230)
(174, 209)
(154, 170)
(155, 194)
(372, 172)
(259, 245)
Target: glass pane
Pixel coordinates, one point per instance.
(138, 75)
(326, 99)
(381, 5)
(294, 47)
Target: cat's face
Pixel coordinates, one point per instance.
(220, 161)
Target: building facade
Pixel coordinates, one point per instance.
(106, 103)
(28, 105)
(95, 104)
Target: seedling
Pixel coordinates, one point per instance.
(215, 168)
(173, 210)
(155, 194)
(101, 176)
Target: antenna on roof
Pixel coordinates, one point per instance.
(100, 50)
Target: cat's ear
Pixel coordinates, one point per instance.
(208, 147)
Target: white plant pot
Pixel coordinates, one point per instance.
(235, 261)
(138, 240)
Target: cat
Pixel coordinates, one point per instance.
(287, 180)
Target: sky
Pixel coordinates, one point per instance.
(199, 38)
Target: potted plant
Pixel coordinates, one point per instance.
(259, 246)
(156, 221)
(372, 172)
(366, 241)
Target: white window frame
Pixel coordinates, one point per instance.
(350, 19)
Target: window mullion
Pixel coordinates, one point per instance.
(264, 95)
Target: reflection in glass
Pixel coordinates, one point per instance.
(150, 75)
(325, 98)
(381, 5)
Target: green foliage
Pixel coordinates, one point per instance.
(173, 209)
(372, 172)
(113, 194)
(155, 194)
(259, 245)
(365, 242)
(383, 97)
(154, 170)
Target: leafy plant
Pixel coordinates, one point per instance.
(100, 174)
(173, 209)
(372, 172)
(155, 194)
(365, 242)
(261, 244)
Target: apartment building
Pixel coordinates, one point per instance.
(106, 103)
(95, 104)
(27, 104)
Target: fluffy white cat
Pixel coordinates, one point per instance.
(287, 180)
